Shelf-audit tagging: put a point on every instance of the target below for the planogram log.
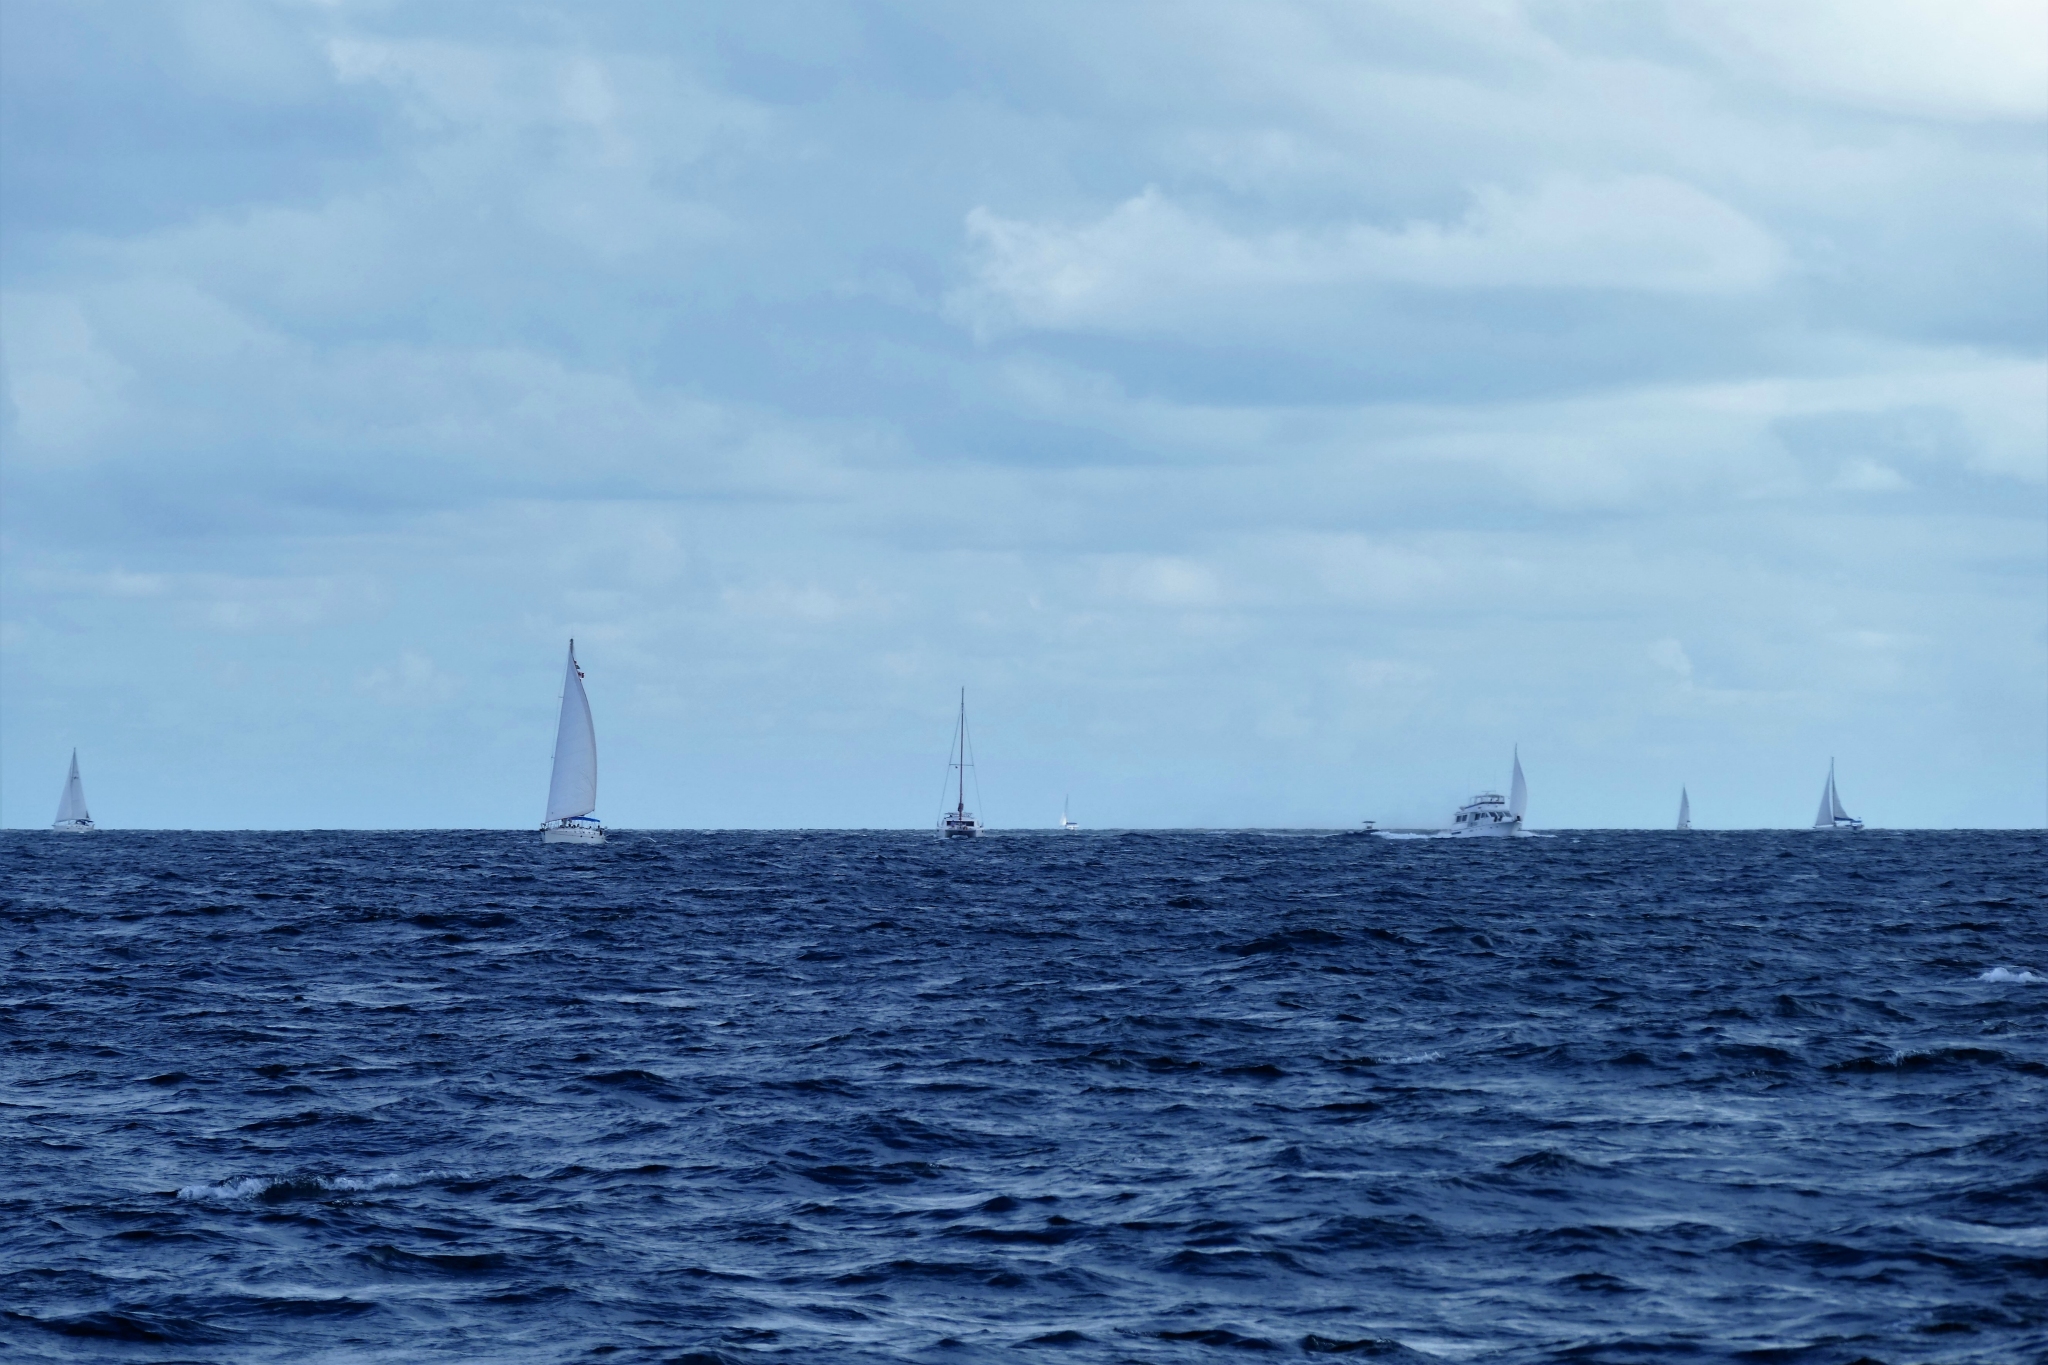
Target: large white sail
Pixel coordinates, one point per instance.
(71, 806)
(1828, 805)
(572, 791)
(1834, 796)
(1518, 790)
(1684, 809)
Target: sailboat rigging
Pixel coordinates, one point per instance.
(572, 786)
(959, 822)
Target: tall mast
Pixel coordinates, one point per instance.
(961, 808)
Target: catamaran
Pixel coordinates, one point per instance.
(959, 822)
(72, 816)
(1488, 813)
(1067, 822)
(1831, 815)
(1684, 810)
(572, 788)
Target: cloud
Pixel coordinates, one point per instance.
(412, 680)
(1960, 59)
(1300, 373)
(63, 387)
(1152, 264)
(1671, 656)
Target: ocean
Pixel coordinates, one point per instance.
(1145, 1096)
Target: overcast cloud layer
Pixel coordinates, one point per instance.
(1272, 412)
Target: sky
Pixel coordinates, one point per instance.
(1273, 413)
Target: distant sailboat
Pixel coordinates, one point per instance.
(1487, 813)
(1067, 822)
(1684, 809)
(72, 816)
(959, 822)
(1831, 815)
(572, 789)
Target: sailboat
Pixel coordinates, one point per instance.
(959, 822)
(1831, 815)
(572, 789)
(72, 816)
(1067, 822)
(1684, 809)
(1487, 813)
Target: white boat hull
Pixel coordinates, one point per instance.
(572, 834)
(73, 827)
(1505, 829)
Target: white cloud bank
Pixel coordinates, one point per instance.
(1318, 399)
(1151, 263)
(1961, 59)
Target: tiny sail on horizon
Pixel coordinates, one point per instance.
(1518, 789)
(572, 785)
(1831, 814)
(1067, 822)
(72, 816)
(1684, 809)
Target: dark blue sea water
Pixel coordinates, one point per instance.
(1103, 1097)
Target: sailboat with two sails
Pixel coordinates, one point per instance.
(72, 816)
(572, 786)
(1831, 815)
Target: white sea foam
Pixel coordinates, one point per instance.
(1415, 1059)
(256, 1186)
(2008, 974)
(247, 1188)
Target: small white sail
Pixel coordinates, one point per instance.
(1684, 809)
(1518, 790)
(572, 790)
(71, 806)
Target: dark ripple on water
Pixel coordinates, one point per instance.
(1148, 1097)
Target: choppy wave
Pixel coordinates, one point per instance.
(275, 1188)
(1110, 1097)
